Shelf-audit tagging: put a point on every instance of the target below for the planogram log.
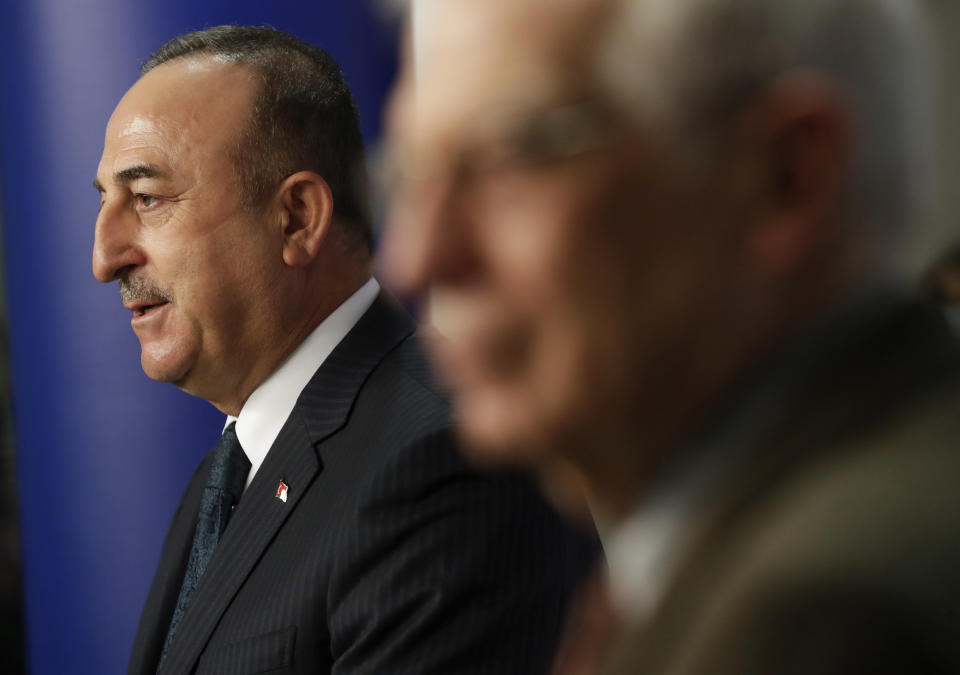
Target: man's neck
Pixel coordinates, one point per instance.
(315, 303)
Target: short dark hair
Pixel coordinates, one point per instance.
(303, 118)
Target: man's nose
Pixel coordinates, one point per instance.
(115, 247)
(429, 240)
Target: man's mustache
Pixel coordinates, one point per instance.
(138, 289)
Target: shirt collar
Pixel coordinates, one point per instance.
(268, 407)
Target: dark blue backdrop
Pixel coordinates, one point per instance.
(103, 452)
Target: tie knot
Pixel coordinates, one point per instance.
(230, 466)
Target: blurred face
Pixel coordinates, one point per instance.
(559, 245)
(195, 269)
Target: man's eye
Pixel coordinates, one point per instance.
(146, 201)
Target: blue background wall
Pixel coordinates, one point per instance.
(103, 452)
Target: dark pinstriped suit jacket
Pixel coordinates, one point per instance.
(389, 556)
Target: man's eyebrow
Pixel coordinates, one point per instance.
(130, 174)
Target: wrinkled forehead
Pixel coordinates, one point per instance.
(473, 63)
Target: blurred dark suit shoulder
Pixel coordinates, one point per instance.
(836, 550)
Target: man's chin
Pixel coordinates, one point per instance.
(517, 439)
(494, 432)
(161, 370)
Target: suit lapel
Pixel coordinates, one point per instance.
(322, 408)
(325, 402)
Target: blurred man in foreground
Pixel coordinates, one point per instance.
(334, 528)
(661, 238)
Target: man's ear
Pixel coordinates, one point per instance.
(306, 211)
(801, 129)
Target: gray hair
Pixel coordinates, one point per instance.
(689, 65)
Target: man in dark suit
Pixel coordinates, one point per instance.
(334, 528)
(663, 239)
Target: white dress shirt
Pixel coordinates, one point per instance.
(270, 404)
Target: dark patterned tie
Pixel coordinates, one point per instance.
(228, 475)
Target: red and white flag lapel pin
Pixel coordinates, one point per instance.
(282, 492)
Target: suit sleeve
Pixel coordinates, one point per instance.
(447, 571)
